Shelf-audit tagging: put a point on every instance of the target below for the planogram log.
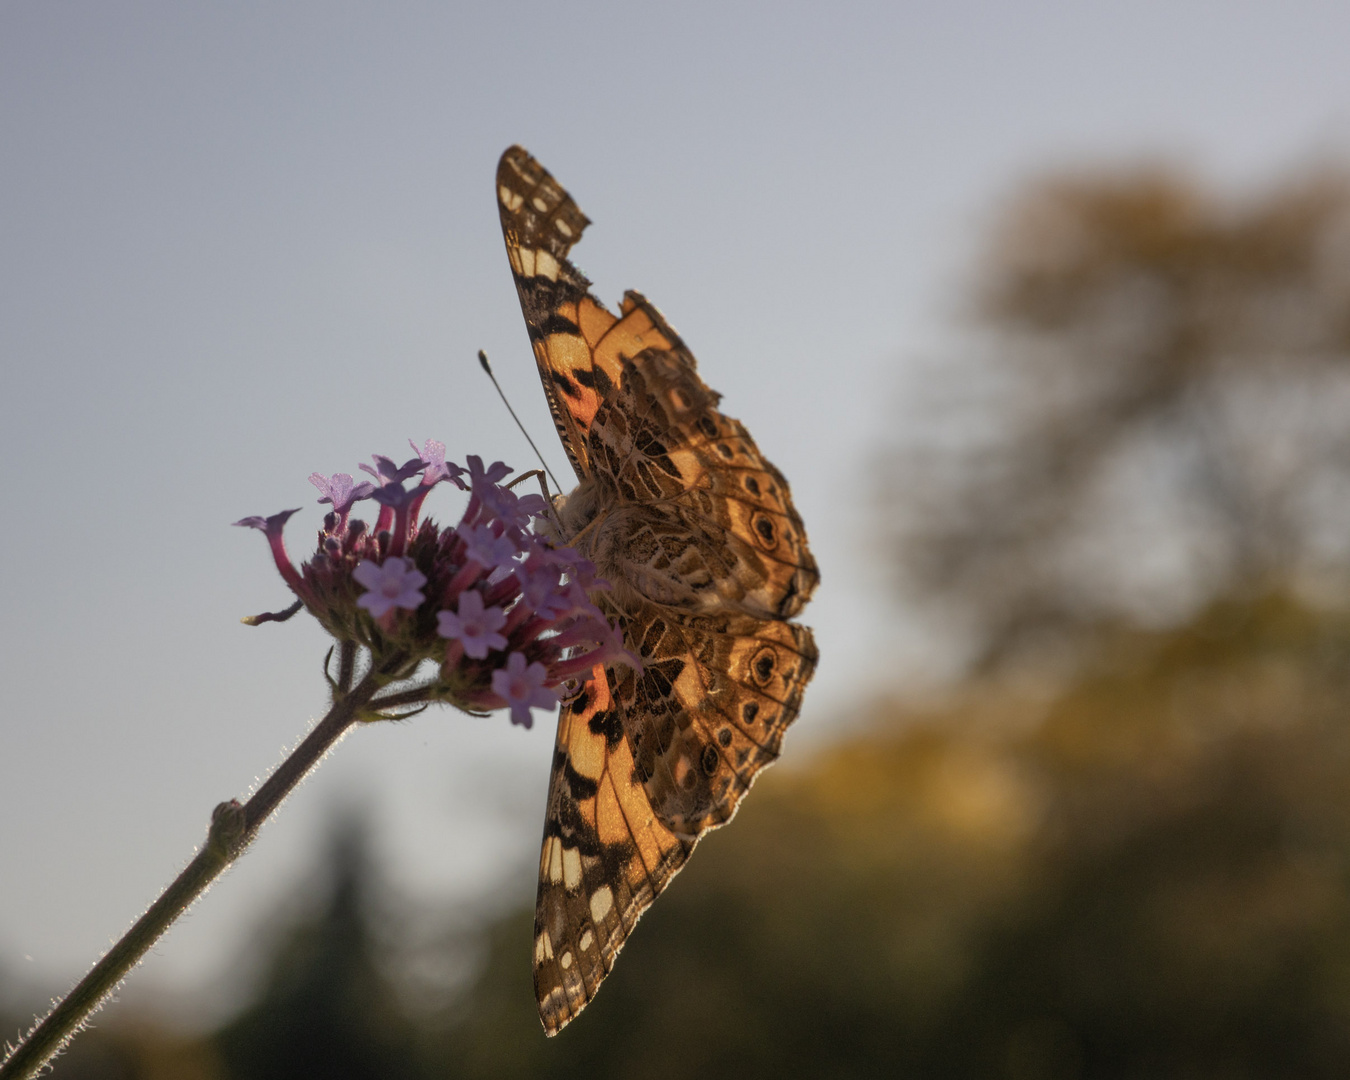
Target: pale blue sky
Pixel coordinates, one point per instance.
(243, 243)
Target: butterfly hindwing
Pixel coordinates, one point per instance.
(708, 559)
(708, 710)
(644, 764)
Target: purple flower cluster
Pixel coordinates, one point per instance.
(504, 612)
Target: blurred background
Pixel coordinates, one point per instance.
(1044, 309)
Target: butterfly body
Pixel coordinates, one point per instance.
(708, 562)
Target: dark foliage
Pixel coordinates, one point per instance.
(1152, 415)
(325, 1008)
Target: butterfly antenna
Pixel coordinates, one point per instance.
(483, 360)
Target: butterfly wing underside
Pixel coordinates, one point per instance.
(709, 560)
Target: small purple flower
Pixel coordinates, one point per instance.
(393, 583)
(540, 586)
(485, 547)
(482, 479)
(387, 472)
(532, 506)
(521, 686)
(515, 511)
(397, 496)
(272, 527)
(432, 455)
(501, 503)
(339, 490)
(605, 642)
(474, 627)
(581, 571)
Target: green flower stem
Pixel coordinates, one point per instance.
(233, 828)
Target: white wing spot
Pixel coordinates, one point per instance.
(555, 866)
(545, 265)
(586, 940)
(571, 867)
(510, 199)
(527, 262)
(539, 204)
(602, 900)
(565, 960)
(543, 948)
(563, 228)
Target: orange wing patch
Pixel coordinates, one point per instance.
(593, 319)
(628, 338)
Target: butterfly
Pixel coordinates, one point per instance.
(708, 563)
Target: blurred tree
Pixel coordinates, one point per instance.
(326, 1008)
(1155, 415)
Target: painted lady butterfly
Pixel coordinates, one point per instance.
(708, 562)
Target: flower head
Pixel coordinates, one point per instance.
(506, 616)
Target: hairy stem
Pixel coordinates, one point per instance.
(346, 665)
(233, 828)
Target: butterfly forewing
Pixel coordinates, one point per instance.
(605, 855)
(708, 559)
